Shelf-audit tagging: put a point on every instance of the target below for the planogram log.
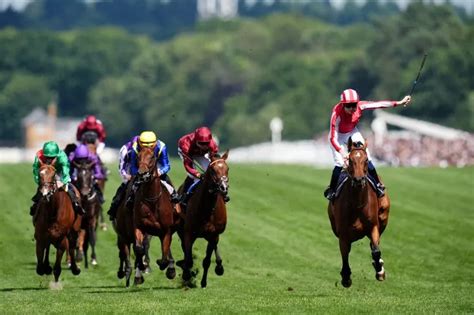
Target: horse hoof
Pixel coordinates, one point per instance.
(138, 280)
(346, 283)
(39, 271)
(80, 256)
(76, 271)
(219, 270)
(94, 262)
(180, 263)
(120, 274)
(187, 275)
(147, 269)
(48, 270)
(103, 226)
(203, 284)
(380, 276)
(170, 273)
(162, 263)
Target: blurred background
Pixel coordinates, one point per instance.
(240, 67)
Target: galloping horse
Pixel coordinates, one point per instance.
(55, 223)
(206, 217)
(91, 204)
(153, 211)
(357, 212)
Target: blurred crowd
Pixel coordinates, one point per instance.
(408, 149)
(424, 151)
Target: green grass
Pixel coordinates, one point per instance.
(279, 253)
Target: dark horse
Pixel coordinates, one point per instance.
(357, 212)
(91, 204)
(153, 211)
(55, 223)
(206, 217)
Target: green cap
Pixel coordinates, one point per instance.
(50, 149)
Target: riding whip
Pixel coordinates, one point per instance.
(194, 162)
(418, 75)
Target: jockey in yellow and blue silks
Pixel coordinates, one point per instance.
(149, 139)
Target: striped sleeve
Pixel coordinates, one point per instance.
(334, 126)
(374, 105)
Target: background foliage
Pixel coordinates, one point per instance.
(284, 59)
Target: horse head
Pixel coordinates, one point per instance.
(85, 177)
(218, 172)
(358, 162)
(47, 181)
(146, 163)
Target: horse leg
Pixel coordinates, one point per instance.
(171, 270)
(345, 248)
(139, 249)
(146, 257)
(92, 239)
(377, 261)
(165, 250)
(71, 243)
(128, 265)
(206, 262)
(80, 247)
(61, 248)
(139, 279)
(188, 256)
(40, 258)
(46, 266)
(219, 267)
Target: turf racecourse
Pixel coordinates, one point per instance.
(279, 253)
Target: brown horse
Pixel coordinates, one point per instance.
(153, 211)
(206, 217)
(91, 204)
(357, 212)
(55, 223)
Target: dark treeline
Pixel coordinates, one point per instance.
(232, 75)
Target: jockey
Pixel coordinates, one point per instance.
(128, 167)
(83, 155)
(344, 119)
(195, 149)
(91, 124)
(52, 154)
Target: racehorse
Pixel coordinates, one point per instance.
(357, 212)
(153, 211)
(55, 223)
(91, 204)
(206, 217)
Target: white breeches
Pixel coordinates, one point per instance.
(343, 139)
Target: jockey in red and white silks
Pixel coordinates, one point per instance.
(343, 125)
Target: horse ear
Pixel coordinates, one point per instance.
(41, 163)
(366, 143)
(53, 162)
(226, 155)
(349, 144)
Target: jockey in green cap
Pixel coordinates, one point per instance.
(51, 153)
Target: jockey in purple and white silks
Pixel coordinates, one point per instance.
(82, 155)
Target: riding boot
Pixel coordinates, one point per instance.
(131, 197)
(380, 188)
(330, 192)
(35, 200)
(174, 195)
(75, 201)
(186, 195)
(116, 201)
(100, 194)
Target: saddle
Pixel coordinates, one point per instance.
(343, 177)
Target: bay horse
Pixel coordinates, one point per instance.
(206, 217)
(91, 204)
(153, 211)
(357, 212)
(55, 223)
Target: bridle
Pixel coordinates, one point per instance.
(219, 184)
(48, 188)
(359, 181)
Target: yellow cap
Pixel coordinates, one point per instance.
(147, 139)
